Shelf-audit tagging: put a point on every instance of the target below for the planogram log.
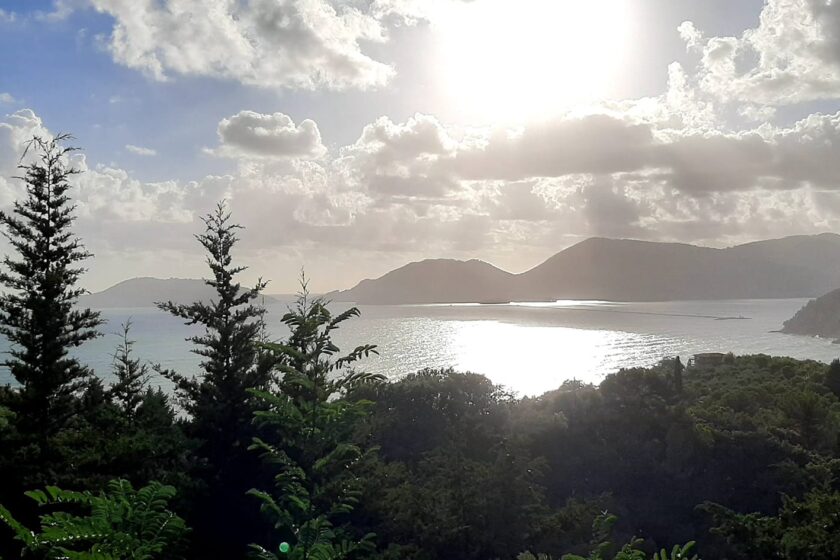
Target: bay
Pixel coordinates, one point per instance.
(529, 347)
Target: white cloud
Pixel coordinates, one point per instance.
(757, 113)
(140, 151)
(703, 162)
(6, 98)
(690, 34)
(7, 17)
(792, 56)
(423, 188)
(62, 9)
(295, 43)
(399, 161)
(250, 134)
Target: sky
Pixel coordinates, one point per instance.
(350, 137)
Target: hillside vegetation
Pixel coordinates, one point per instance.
(819, 317)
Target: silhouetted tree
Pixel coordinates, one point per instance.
(679, 368)
(219, 400)
(832, 377)
(131, 374)
(38, 311)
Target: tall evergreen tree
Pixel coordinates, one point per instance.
(832, 377)
(219, 398)
(131, 374)
(308, 439)
(38, 312)
(679, 368)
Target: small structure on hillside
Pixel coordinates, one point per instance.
(708, 359)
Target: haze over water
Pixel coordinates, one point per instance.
(530, 348)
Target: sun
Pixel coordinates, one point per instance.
(514, 60)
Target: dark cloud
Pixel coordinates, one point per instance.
(591, 144)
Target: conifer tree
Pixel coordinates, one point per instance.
(131, 374)
(219, 398)
(308, 441)
(38, 313)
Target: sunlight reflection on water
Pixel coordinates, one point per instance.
(528, 347)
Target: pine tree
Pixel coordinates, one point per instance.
(309, 438)
(131, 375)
(219, 398)
(37, 311)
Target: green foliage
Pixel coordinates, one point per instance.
(118, 524)
(308, 428)
(804, 528)
(462, 469)
(220, 396)
(219, 399)
(604, 549)
(832, 377)
(678, 552)
(452, 480)
(6, 416)
(38, 312)
(131, 374)
(60, 425)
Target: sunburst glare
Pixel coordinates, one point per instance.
(505, 61)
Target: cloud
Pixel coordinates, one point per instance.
(421, 188)
(7, 17)
(601, 175)
(140, 151)
(393, 161)
(62, 9)
(305, 44)
(250, 134)
(591, 144)
(6, 98)
(792, 56)
(704, 162)
(690, 34)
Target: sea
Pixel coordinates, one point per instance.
(529, 348)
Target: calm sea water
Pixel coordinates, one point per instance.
(530, 348)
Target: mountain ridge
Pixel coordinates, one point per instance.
(621, 270)
(144, 291)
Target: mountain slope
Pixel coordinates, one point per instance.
(434, 281)
(619, 269)
(144, 292)
(819, 317)
(622, 270)
(817, 255)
